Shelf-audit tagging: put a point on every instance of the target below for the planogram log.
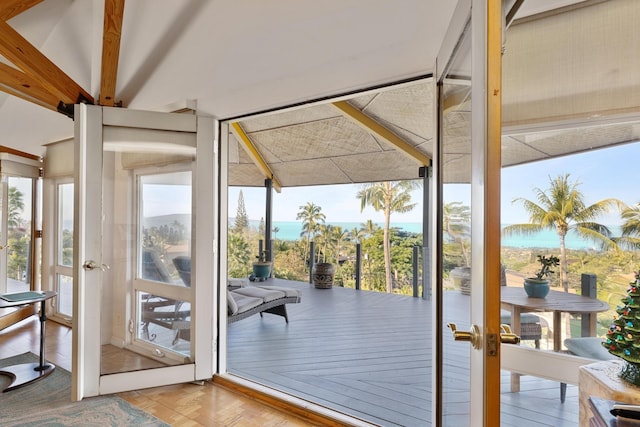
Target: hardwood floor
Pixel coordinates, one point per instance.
(179, 405)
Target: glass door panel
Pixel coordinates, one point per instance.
(164, 254)
(468, 222)
(154, 228)
(455, 255)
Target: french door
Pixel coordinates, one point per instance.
(144, 283)
(467, 238)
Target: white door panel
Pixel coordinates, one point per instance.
(147, 285)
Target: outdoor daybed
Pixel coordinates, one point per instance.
(247, 301)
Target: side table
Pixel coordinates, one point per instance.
(601, 380)
(26, 373)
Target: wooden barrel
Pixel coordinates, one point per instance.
(322, 275)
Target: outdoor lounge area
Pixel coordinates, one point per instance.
(368, 354)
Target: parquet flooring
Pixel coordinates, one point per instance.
(178, 405)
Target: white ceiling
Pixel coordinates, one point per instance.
(232, 57)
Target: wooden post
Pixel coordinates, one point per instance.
(312, 259)
(358, 265)
(415, 270)
(589, 289)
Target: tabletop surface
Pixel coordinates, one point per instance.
(45, 296)
(554, 301)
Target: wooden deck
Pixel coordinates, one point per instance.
(368, 355)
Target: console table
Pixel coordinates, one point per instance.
(601, 380)
(26, 373)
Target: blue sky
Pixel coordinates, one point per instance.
(611, 172)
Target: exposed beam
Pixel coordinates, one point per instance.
(255, 155)
(372, 126)
(113, 14)
(11, 8)
(25, 56)
(13, 151)
(17, 83)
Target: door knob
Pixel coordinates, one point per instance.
(472, 336)
(507, 336)
(92, 265)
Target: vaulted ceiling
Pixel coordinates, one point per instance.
(232, 59)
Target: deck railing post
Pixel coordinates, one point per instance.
(358, 265)
(312, 259)
(415, 270)
(589, 286)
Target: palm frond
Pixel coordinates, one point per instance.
(522, 229)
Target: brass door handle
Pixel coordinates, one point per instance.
(92, 265)
(507, 336)
(472, 336)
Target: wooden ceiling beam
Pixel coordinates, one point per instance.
(25, 56)
(373, 127)
(255, 155)
(17, 83)
(11, 8)
(112, 32)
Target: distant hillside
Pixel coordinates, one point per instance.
(158, 221)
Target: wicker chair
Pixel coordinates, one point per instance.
(530, 324)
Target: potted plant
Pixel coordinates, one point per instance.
(538, 286)
(261, 267)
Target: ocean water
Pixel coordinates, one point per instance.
(290, 230)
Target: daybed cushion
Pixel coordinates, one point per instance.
(233, 282)
(288, 292)
(265, 295)
(245, 303)
(232, 305)
(589, 347)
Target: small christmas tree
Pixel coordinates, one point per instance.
(623, 337)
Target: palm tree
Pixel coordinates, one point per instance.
(630, 227)
(562, 207)
(323, 239)
(457, 225)
(16, 207)
(338, 237)
(311, 216)
(357, 234)
(369, 228)
(388, 197)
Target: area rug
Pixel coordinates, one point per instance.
(47, 402)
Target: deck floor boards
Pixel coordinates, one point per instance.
(368, 355)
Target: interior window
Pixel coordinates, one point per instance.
(64, 250)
